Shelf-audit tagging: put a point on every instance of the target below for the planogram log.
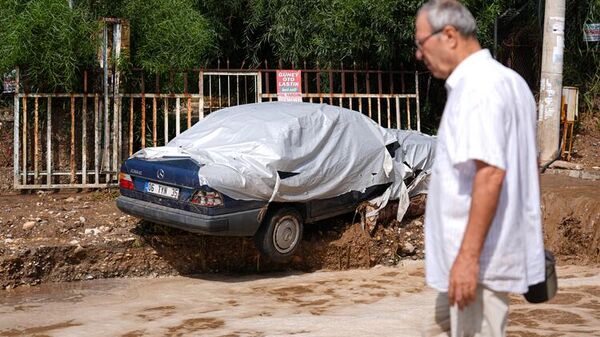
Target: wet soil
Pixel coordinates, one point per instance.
(56, 237)
(586, 144)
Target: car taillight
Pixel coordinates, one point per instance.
(125, 181)
(207, 198)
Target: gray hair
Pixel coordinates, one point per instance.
(441, 13)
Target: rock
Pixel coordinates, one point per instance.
(28, 225)
(104, 229)
(418, 223)
(387, 250)
(39, 203)
(408, 247)
(559, 164)
(43, 222)
(70, 199)
(81, 219)
(74, 242)
(92, 231)
(78, 249)
(7, 241)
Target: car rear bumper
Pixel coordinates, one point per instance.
(242, 223)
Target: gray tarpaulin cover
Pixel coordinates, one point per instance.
(414, 159)
(285, 151)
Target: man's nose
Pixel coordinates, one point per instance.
(418, 54)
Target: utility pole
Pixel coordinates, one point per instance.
(551, 80)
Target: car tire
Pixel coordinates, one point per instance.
(280, 234)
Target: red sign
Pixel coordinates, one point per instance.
(289, 87)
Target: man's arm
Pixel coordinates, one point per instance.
(464, 274)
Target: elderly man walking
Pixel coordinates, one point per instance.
(483, 235)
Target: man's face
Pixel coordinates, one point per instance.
(430, 47)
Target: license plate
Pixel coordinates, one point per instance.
(162, 190)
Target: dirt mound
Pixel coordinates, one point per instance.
(586, 146)
(74, 236)
(571, 209)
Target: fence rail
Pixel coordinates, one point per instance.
(78, 140)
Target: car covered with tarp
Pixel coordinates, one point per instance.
(264, 170)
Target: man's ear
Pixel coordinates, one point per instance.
(451, 35)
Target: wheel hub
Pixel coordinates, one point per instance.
(285, 235)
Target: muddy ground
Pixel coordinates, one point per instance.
(381, 301)
(56, 237)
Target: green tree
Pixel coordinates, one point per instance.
(49, 41)
(168, 34)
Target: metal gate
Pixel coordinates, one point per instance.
(78, 140)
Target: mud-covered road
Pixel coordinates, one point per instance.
(381, 301)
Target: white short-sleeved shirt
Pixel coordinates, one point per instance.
(490, 115)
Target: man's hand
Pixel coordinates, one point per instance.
(464, 276)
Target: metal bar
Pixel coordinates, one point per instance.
(36, 140)
(106, 125)
(59, 186)
(143, 123)
(372, 96)
(408, 113)
(130, 126)
(398, 119)
(177, 116)
(220, 95)
(319, 87)
(200, 94)
(24, 140)
(417, 101)
(249, 73)
(16, 133)
(389, 113)
(96, 139)
(166, 121)
(228, 90)
(368, 86)
(267, 83)
(84, 136)
(258, 86)
(209, 93)
(126, 95)
(237, 87)
(49, 142)
(330, 87)
(246, 88)
(154, 141)
(118, 141)
(379, 85)
(305, 81)
(72, 157)
(189, 112)
(56, 95)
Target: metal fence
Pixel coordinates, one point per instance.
(78, 140)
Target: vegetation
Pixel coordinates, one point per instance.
(582, 59)
(52, 43)
(167, 34)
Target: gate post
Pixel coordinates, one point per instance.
(16, 141)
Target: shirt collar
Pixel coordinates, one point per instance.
(462, 69)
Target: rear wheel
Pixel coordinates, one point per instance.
(280, 234)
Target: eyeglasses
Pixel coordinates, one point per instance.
(421, 42)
